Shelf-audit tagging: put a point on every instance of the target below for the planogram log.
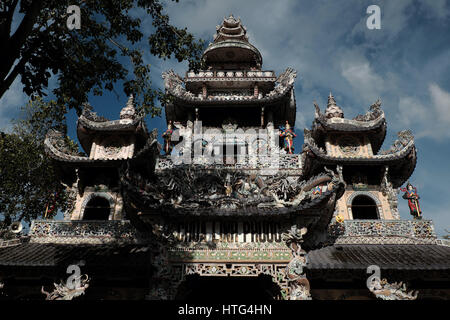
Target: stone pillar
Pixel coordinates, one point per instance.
(262, 117)
(204, 91)
(255, 91)
(270, 129)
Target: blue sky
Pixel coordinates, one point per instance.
(406, 63)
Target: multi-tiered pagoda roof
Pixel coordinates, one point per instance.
(141, 224)
(346, 135)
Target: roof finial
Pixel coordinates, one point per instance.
(331, 100)
(128, 112)
(333, 111)
(130, 102)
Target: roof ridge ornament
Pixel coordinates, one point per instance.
(384, 290)
(333, 110)
(89, 113)
(331, 100)
(375, 112)
(318, 113)
(129, 111)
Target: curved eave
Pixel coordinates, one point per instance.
(402, 163)
(238, 101)
(379, 158)
(347, 125)
(86, 129)
(68, 159)
(376, 129)
(113, 125)
(237, 44)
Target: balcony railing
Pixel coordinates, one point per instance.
(409, 228)
(417, 229)
(82, 231)
(190, 75)
(283, 161)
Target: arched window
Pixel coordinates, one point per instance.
(98, 208)
(364, 207)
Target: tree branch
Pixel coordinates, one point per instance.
(5, 26)
(6, 83)
(17, 40)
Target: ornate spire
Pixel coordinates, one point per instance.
(331, 100)
(333, 111)
(128, 112)
(231, 47)
(231, 29)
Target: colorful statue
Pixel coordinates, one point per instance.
(288, 134)
(316, 191)
(410, 193)
(167, 135)
(339, 218)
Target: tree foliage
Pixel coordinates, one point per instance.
(87, 60)
(29, 181)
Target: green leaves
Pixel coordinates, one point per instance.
(28, 178)
(89, 60)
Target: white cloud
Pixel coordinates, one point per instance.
(362, 78)
(431, 119)
(410, 111)
(437, 8)
(441, 104)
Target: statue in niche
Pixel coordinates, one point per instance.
(167, 135)
(288, 134)
(410, 194)
(228, 186)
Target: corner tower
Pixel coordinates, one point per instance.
(352, 146)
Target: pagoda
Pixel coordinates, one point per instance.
(226, 208)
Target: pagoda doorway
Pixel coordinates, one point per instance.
(98, 208)
(207, 288)
(364, 207)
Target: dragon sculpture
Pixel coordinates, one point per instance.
(298, 283)
(62, 292)
(384, 290)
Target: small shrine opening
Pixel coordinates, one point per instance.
(198, 288)
(364, 207)
(97, 208)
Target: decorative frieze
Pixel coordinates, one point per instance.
(226, 75)
(276, 271)
(283, 161)
(237, 255)
(78, 232)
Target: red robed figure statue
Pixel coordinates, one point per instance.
(167, 135)
(410, 193)
(288, 134)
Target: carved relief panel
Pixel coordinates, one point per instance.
(112, 147)
(347, 145)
